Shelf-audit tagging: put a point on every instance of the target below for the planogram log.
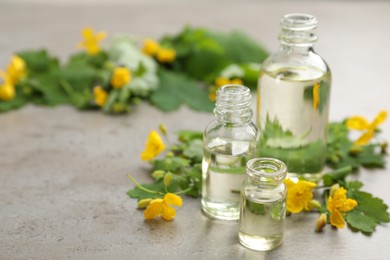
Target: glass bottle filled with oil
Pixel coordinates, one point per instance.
(263, 204)
(293, 100)
(229, 142)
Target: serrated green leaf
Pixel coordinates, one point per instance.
(358, 220)
(369, 212)
(175, 89)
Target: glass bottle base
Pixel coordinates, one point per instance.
(259, 243)
(222, 211)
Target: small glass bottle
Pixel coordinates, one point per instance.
(293, 100)
(263, 204)
(229, 142)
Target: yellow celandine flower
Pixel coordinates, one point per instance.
(16, 69)
(153, 147)
(100, 95)
(92, 40)
(316, 96)
(150, 47)
(338, 205)
(166, 55)
(299, 195)
(120, 77)
(361, 124)
(161, 207)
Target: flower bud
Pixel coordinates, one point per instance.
(321, 222)
(314, 204)
(334, 188)
(163, 129)
(158, 174)
(170, 155)
(354, 150)
(168, 179)
(144, 203)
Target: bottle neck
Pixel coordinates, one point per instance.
(298, 33)
(233, 105)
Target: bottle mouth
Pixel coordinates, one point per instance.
(298, 29)
(267, 169)
(299, 21)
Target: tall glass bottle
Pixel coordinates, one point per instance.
(293, 100)
(229, 142)
(263, 204)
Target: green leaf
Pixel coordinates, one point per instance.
(358, 220)
(17, 102)
(369, 212)
(194, 150)
(354, 185)
(202, 53)
(175, 89)
(186, 136)
(193, 177)
(39, 61)
(172, 164)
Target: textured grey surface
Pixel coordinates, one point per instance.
(63, 172)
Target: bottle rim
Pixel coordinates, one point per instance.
(299, 21)
(255, 168)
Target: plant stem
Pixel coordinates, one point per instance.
(183, 191)
(140, 186)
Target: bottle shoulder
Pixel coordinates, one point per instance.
(285, 59)
(242, 132)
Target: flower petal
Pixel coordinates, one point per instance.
(330, 205)
(365, 138)
(87, 32)
(294, 204)
(153, 147)
(173, 199)
(336, 219)
(168, 213)
(379, 119)
(357, 123)
(154, 209)
(348, 205)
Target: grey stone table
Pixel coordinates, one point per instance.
(63, 172)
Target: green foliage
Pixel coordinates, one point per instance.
(369, 212)
(202, 53)
(337, 176)
(342, 152)
(175, 89)
(39, 61)
(183, 166)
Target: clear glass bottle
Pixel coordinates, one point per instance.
(263, 204)
(293, 100)
(229, 142)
